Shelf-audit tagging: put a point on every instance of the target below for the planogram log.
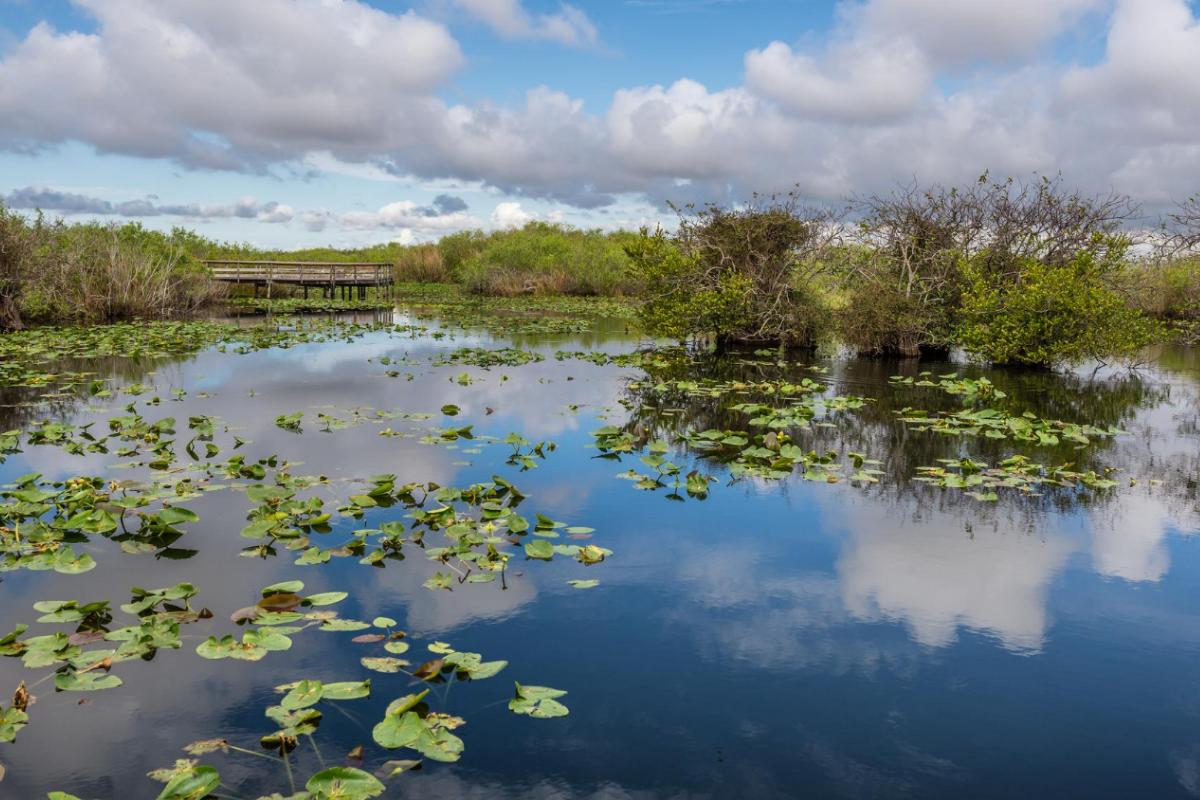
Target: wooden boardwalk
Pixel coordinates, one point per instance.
(329, 276)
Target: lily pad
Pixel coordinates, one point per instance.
(344, 783)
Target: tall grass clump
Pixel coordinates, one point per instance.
(385, 252)
(1166, 285)
(59, 272)
(1166, 288)
(422, 263)
(18, 238)
(545, 258)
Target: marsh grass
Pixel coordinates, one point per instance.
(58, 272)
(1165, 288)
(421, 263)
(544, 258)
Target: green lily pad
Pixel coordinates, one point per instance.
(344, 783)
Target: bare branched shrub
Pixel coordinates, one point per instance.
(1182, 230)
(906, 279)
(1044, 221)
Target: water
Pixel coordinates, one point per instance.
(777, 639)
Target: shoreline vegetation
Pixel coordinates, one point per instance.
(1023, 273)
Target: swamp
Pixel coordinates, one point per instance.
(501, 548)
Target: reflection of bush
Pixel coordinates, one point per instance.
(22, 405)
(666, 405)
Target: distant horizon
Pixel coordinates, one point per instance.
(361, 123)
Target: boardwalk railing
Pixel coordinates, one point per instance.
(328, 276)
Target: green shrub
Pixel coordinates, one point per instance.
(905, 286)
(746, 274)
(544, 258)
(458, 248)
(676, 307)
(1049, 314)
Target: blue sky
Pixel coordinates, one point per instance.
(294, 122)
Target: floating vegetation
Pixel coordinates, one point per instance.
(686, 423)
(995, 424)
(1017, 472)
(971, 390)
(77, 665)
(485, 358)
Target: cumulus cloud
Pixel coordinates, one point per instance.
(863, 80)
(932, 89)
(47, 199)
(952, 32)
(885, 54)
(510, 215)
(193, 81)
(510, 19)
(1142, 101)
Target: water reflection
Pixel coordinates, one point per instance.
(938, 574)
(773, 640)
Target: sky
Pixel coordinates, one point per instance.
(289, 123)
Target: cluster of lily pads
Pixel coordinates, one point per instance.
(1017, 472)
(759, 428)
(765, 448)
(773, 418)
(476, 524)
(83, 661)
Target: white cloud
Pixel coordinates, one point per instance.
(358, 90)
(1141, 104)
(402, 215)
(884, 55)
(965, 31)
(510, 215)
(936, 578)
(154, 74)
(863, 80)
(510, 19)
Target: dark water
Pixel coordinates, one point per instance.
(777, 639)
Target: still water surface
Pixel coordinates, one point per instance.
(777, 639)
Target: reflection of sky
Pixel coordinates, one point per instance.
(769, 641)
